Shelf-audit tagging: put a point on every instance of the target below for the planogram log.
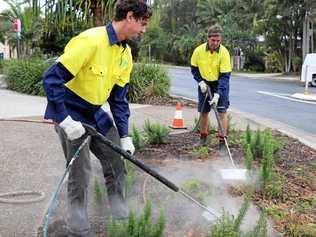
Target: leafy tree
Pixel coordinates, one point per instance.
(31, 25)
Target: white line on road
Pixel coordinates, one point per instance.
(286, 96)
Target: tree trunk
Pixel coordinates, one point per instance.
(97, 13)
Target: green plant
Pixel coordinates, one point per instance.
(267, 164)
(200, 151)
(242, 212)
(258, 142)
(98, 191)
(230, 125)
(261, 227)
(273, 62)
(224, 227)
(257, 145)
(24, 75)
(138, 227)
(248, 135)
(137, 137)
(130, 176)
(155, 133)
(248, 157)
(196, 127)
(191, 185)
(148, 80)
(273, 187)
(276, 212)
(229, 226)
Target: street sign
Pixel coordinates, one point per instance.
(17, 25)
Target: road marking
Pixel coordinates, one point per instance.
(286, 96)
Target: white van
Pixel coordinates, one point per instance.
(309, 69)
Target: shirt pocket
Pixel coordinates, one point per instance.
(98, 71)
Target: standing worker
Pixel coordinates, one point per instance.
(210, 67)
(95, 68)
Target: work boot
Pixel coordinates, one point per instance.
(203, 141)
(221, 144)
(119, 208)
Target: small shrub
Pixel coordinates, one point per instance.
(24, 75)
(267, 164)
(257, 145)
(242, 213)
(230, 125)
(98, 191)
(138, 227)
(148, 80)
(228, 226)
(130, 176)
(273, 188)
(201, 151)
(260, 229)
(191, 186)
(137, 138)
(273, 62)
(258, 142)
(248, 157)
(224, 227)
(155, 133)
(248, 135)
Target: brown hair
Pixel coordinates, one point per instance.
(214, 30)
(139, 8)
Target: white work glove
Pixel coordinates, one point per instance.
(127, 145)
(214, 100)
(203, 87)
(72, 128)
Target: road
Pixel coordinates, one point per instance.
(267, 98)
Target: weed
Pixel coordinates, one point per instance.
(225, 227)
(248, 157)
(242, 212)
(155, 133)
(228, 226)
(191, 185)
(267, 163)
(131, 176)
(138, 227)
(276, 212)
(137, 137)
(98, 191)
(248, 135)
(260, 229)
(201, 151)
(273, 188)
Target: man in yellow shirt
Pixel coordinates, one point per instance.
(210, 67)
(95, 68)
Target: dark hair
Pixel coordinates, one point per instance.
(214, 30)
(139, 8)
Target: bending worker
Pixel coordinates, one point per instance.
(210, 67)
(95, 68)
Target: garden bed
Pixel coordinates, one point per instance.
(292, 208)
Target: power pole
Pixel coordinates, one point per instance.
(308, 41)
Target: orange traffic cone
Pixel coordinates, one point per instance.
(178, 121)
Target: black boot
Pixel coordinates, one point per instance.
(203, 139)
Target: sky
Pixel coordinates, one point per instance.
(3, 5)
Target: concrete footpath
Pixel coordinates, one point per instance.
(32, 159)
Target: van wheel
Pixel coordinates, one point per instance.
(313, 82)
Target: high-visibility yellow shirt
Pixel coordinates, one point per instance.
(211, 64)
(98, 65)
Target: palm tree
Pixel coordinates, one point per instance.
(30, 25)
